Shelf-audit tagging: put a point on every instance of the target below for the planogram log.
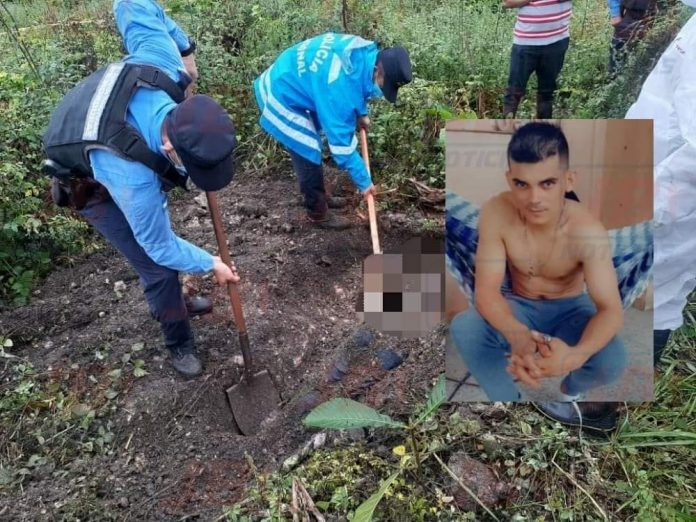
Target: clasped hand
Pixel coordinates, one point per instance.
(535, 356)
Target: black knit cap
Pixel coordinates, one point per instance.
(203, 136)
(397, 70)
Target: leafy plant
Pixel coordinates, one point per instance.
(49, 422)
(367, 508)
(348, 414)
(340, 414)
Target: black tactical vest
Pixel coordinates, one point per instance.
(93, 115)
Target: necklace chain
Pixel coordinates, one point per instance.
(534, 269)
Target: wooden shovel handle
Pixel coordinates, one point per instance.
(232, 289)
(370, 199)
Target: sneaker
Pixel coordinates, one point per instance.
(331, 221)
(336, 202)
(599, 417)
(198, 305)
(187, 364)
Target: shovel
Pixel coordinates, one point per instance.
(370, 199)
(255, 397)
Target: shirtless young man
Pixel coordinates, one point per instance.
(554, 249)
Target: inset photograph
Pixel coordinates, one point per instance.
(549, 253)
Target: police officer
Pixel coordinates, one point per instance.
(193, 139)
(324, 83)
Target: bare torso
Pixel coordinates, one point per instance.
(544, 265)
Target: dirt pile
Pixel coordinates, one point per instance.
(174, 448)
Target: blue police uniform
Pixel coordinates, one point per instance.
(320, 84)
(136, 219)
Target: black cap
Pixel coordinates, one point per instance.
(203, 136)
(397, 70)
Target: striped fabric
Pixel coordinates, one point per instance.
(632, 251)
(543, 22)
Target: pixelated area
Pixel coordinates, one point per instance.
(403, 291)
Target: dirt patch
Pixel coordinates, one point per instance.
(212, 483)
(175, 449)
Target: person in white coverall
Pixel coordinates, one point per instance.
(668, 97)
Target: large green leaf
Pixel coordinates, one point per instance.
(652, 434)
(345, 413)
(367, 508)
(659, 438)
(437, 397)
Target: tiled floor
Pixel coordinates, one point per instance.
(636, 384)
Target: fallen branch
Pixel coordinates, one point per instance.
(303, 503)
(429, 195)
(577, 485)
(295, 504)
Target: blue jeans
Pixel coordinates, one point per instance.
(310, 177)
(161, 284)
(485, 350)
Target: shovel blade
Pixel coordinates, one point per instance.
(252, 401)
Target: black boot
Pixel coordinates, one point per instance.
(660, 338)
(544, 110)
(594, 417)
(336, 202)
(178, 339)
(511, 102)
(330, 221)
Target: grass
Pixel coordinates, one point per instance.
(460, 52)
(642, 472)
(645, 471)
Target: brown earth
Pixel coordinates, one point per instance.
(176, 452)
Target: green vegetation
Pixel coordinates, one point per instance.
(644, 472)
(460, 53)
(49, 419)
(348, 414)
(459, 50)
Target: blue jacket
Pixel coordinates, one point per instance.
(320, 84)
(150, 38)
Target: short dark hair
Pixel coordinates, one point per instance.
(536, 141)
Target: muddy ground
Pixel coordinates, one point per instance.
(175, 450)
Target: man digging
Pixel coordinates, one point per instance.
(545, 323)
(115, 172)
(324, 83)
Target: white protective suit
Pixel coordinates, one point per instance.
(668, 96)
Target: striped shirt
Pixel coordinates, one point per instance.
(542, 22)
